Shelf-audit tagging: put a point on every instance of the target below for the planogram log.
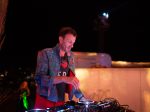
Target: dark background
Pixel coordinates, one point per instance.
(32, 25)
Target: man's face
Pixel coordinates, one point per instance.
(67, 42)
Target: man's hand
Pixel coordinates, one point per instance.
(83, 99)
(69, 80)
(73, 81)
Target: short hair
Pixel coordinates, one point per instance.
(67, 30)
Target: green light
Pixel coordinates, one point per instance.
(25, 101)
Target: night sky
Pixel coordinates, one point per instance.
(32, 25)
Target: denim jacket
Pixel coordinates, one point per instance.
(48, 66)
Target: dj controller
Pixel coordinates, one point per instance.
(106, 105)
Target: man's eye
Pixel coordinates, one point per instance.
(70, 42)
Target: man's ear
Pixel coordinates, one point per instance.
(60, 39)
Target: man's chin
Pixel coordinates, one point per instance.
(68, 50)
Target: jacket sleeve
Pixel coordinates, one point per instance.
(41, 75)
(78, 93)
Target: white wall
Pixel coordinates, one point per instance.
(130, 86)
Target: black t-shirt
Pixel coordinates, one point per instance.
(61, 87)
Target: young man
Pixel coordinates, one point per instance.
(55, 72)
